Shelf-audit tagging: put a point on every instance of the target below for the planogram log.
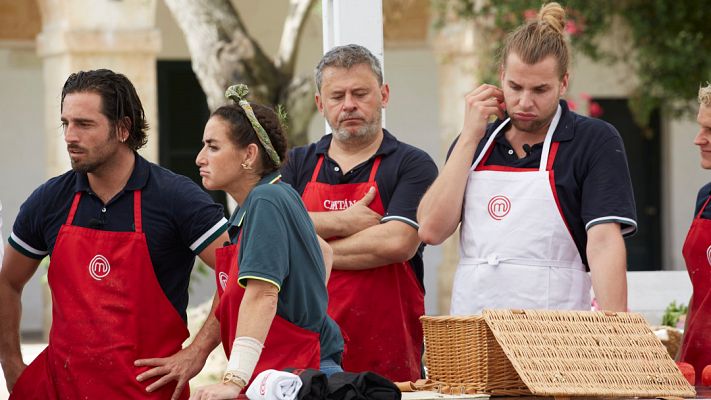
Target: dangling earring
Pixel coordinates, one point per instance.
(245, 166)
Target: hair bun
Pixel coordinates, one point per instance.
(553, 15)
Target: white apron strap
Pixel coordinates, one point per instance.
(549, 139)
(494, 259)
(546, 143)
(488, 143)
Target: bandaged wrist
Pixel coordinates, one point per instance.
(243, 358)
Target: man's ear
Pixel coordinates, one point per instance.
(123, 129)
(564, 84)
(319, 103)
(385, 94)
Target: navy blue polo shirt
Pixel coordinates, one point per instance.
(703, 195)
(279, 245)
(179, 220)
(404, 175)
(592, 179)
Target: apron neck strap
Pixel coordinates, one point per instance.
(317, 169)
(701, 211)
(73, 209)
(374, 170)
(485, 151)
(546, 156)
(137, 221)
(137, 211)
(549, 139)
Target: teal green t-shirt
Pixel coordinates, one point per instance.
(279, 245)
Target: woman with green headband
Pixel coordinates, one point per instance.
(271, 278)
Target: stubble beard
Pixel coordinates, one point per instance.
(534, 126)
(94, 160)
(363, 135)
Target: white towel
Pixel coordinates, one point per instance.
(274, 385)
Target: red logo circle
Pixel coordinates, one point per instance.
(499, 206)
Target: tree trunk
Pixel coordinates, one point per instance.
(223, 53)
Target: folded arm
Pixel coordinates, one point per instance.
(346, 222)
(386, 243)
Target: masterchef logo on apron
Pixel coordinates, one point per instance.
(99, 267)
(499, 206)
(708, 255)
(223, 280)
(336, 205)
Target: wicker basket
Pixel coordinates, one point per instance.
(462, 352)
(551, 353)
(672, 341)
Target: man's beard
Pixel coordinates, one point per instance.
(535, 125)
(85, 168)
(92, 161)
(363, 134)
(529, 126)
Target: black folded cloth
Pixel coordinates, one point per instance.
(361, 386)
(314, 384)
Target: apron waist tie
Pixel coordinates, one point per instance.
(495, 259)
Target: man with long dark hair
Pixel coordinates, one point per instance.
(122, 235)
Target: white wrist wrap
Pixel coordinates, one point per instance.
(244, 356)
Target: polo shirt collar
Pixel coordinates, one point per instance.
(137, 180)
(237, 217)
(387, 146)
(563, 132)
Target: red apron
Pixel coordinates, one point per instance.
(378, 309)
(287, 345)
(696, 349)
(108, 310)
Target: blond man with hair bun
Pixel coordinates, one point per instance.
(696, 347)
(543, 195)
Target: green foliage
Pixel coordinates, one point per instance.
(666, 44)
(283, 117)
(672, 313)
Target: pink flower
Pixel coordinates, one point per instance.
(595, 109)
(530, 14)
(572, 28)
(572, 105)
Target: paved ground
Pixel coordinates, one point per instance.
(29, 352)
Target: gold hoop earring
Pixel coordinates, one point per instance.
(245, 166)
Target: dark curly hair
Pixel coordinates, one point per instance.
(119, 101)
(242, 133)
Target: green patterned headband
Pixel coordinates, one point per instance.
(237, 93)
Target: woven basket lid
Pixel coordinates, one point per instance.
(586, 353)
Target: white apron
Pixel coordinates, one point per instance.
(516, 250)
